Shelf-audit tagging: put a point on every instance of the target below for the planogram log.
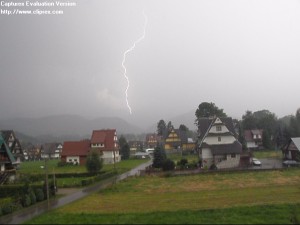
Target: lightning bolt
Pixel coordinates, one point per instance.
(124, 59)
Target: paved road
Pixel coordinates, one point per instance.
(35, 210)
(269, 163)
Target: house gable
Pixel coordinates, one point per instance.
(218, 142)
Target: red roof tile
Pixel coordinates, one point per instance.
(105, 137)
(76, 148)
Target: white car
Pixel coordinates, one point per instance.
(256, 162)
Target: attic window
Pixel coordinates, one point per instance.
(219, 128)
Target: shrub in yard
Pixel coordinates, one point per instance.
(93, 162)
(39, 195)
(7, 209)
(26, 200)
(32, 197)
(168, 164)
(1, 211)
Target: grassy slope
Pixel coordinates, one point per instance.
(250, 197)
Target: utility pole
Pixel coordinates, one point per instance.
(47, 184)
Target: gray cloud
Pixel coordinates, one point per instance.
(238, 54)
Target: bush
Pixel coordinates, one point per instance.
(7, 209)
(168, 164)
(39, 194)
(32, 197)
(26, 200)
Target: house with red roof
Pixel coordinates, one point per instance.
(75, 151)
(103, 141)
(106, 142)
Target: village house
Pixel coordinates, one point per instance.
(14, 144)
(7, 160)
(253, 138)
(292, 150)
(75, 151)
(152, 140)
(51, 150)
(103, 141)
(106, 142)
(177, 139)
(218, 144)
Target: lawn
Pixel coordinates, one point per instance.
(271, 197)
(36, 166)
(268, 154)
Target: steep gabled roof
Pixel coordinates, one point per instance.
(106, 137)
(6, 134)
(235, 147)
(204, 125)
(76, 148)
(296, 141)
(4, 147)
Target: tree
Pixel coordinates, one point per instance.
(159, 156)
(122, 141)
(266, 139)
(248, 121)
(168, 164)
(93, 162)
(124, 148)
(169, 126)
(182, 127)
(206, 109)
(161, 127)
(125, 151)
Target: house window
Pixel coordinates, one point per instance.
(219, 128)
(233, 155)
(219, 139)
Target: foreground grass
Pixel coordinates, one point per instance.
(271, 197)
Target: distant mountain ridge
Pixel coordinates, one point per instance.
(66, 125)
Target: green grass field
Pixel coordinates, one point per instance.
(252, 197)
(33, 167)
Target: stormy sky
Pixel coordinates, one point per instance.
(241, 55)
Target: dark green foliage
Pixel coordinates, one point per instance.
(93, 162)
(266, 140)
(161, 127)
(125, 151)
(26, 200)
(206, 109)
(124, 147)
(159, 156)
(39, 194)
(168, 164)
(32, 197)
(7, 209)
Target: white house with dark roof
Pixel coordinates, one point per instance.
(292, 149)
(218, 143)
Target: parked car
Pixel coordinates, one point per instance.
(290, 163)
(256, 162)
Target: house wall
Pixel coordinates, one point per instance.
(213, 140)
(73, 159)
(2, 167)
(108, 157)
(229, 162)
(207, 157)
(251, 144)
(214, 129)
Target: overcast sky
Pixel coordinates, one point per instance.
(240, 55)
